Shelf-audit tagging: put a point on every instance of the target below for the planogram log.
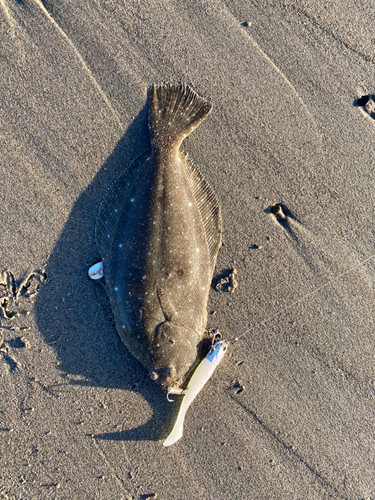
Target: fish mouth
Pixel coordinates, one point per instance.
(166, 378)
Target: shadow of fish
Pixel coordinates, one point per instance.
(158, 233)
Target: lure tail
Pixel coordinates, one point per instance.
(177, 430)
(174, 112)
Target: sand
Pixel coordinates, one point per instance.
(289, 414)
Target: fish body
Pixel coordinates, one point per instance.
(158, 233)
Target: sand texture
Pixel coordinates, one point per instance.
(289, 414)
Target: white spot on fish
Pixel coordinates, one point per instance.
(120, 245)
(132, 199)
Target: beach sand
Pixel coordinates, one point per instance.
(289, 414)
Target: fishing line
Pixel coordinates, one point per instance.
(310, 294)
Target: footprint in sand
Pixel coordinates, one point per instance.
(227, 283)
(13, 295)
(16, 298)
(367, 103)
(328, 258)
(317, 253)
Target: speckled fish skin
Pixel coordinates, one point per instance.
(159, 232)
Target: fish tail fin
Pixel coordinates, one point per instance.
(175, 111)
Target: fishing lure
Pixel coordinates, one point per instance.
(201, 375)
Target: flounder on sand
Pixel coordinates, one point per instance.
(158, 233)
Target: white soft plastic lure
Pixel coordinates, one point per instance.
(201, 375)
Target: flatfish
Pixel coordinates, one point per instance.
(158, 234)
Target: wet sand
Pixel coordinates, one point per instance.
(289, 413)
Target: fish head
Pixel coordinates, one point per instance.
(173, 353)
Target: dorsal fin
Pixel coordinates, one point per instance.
(209, 209)
(174, 112)
(118, 199)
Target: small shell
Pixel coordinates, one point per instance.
(96, 271)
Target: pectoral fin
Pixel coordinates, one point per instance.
(166, 305)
